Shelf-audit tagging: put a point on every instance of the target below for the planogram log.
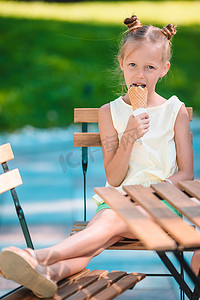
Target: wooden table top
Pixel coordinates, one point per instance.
(159, 227)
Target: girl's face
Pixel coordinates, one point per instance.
(143, 66)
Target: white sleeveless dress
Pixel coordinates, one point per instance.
(153, 157)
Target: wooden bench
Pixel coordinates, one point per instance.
(97, 284)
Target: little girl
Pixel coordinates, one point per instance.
(164, 153)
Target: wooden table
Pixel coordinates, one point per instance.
(159, 228)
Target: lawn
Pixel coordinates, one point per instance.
(54, 57)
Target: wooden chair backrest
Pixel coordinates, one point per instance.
(90, 115)
(9, 179)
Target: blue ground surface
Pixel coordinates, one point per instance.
(51, 197)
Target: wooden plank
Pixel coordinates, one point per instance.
(184, 234)
(86, 115)
(81, 223)
(90, 139)
(90, 115)
(5, 153)
(99, 285)
(10, 180)
(91, 290)
(117, 288)
(100, 273)
(114, 276)
(192, 187)
(78, 228)
(179, 200)
(87, 139)
(68, 290)
(74, 277)
(134, 245)
(153, 237)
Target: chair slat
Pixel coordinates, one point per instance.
(78, 228)
(10, 180)
(184, 234)
(136, 220)
(191, 187)
(76, 286)
(74, 277)
(89, 139)
(179, 200)
(118, 288)
(81, 223)
(128, 245)
(86, 115)
(6, 153)
(90, 115)
(91, 290)
(98, 286)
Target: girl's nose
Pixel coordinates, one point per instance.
(139, 74)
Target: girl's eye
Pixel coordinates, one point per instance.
(150, 67)
(132, 64)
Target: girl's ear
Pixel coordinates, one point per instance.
(120, 63)
(165, 69)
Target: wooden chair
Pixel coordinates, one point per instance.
(97, 284)
(86, 139)
(9, 181)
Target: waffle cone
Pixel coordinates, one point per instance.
(138, 96)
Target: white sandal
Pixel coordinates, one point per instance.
(23, 268)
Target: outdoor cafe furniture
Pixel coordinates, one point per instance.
(96, 284)
(160, 228)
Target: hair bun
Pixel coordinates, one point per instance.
(169, 31)
(133, 23)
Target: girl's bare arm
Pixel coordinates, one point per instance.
(183, 148)
(116, 156)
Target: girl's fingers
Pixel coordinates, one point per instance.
(143, 116)
(140, 124)
(146, 123)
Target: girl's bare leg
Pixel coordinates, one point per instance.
(104, 226)
(195, 262)
(65, 268)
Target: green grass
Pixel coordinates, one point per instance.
(48, 67)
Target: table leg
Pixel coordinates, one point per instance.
(195, 295)
(182, 294)
(189, 271)
(177, 276)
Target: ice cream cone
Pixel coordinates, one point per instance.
(138, 96)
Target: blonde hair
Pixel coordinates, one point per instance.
(139, 34)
